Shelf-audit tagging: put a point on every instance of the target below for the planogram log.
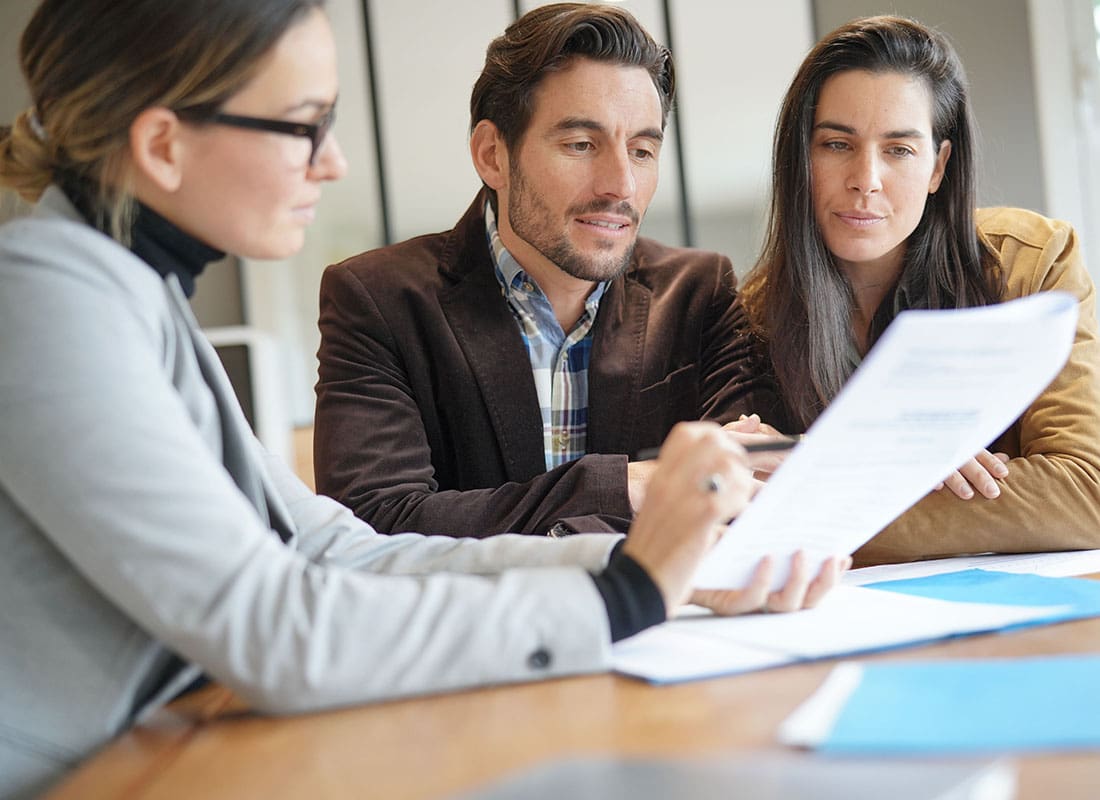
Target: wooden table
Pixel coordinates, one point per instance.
(208, 746)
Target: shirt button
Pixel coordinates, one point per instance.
(528, 287)
(562, 440)
(540, 659)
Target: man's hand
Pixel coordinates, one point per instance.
(638, 474)
(751, 423)
(749, 430)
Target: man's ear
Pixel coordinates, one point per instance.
(490, 154)
(155, 147)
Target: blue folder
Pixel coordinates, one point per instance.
(1081, 595)
(1048, 703)
(969, 706)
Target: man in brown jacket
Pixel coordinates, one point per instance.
(504, 375)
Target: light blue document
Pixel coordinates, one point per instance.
(980, 706)
(1078, 597)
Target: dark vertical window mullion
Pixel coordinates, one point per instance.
(376, 119)
(686, 223)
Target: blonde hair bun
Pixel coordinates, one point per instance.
(25, 159)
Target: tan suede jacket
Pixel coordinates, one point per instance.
(1051, 497)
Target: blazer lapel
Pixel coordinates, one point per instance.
(238, 443)
(489, 337)
(615, 371)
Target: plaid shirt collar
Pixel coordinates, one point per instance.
(519, 288)
(559, 360)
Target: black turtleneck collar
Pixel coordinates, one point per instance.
(168, 250)
(153, 239)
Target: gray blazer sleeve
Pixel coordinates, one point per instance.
(108, 459)
(330, 533)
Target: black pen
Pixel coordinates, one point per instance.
(770, 446)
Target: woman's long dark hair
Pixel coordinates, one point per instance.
(800, 302)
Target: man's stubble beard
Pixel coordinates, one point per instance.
(531, 221)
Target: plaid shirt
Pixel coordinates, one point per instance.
(559, 361)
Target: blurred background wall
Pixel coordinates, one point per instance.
(407, 67)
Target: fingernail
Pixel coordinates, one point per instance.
(992, 491)
(742, 417)
(1000, 470)
(967, 493)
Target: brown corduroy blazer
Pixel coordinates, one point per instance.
(427, 416)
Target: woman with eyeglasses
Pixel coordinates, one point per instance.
(148, 540)
(873, 212)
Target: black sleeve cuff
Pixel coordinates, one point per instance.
(633, 600)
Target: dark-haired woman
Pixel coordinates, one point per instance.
(873, 212)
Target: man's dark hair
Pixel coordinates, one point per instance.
(548, 39)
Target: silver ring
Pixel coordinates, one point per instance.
(713, 483)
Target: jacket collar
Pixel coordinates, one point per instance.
(479, 317)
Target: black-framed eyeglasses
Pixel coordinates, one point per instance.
(314, 131)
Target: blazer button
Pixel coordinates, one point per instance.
(540, 659)
(559, 530)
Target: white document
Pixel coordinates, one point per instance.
(937, 387)
(850, 619)
(853, 619)
(1051, 565)
(670, 654)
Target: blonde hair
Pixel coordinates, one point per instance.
(24, 157)
(31, 158)
(92, 66)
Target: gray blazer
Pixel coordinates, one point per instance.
(147, 537)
